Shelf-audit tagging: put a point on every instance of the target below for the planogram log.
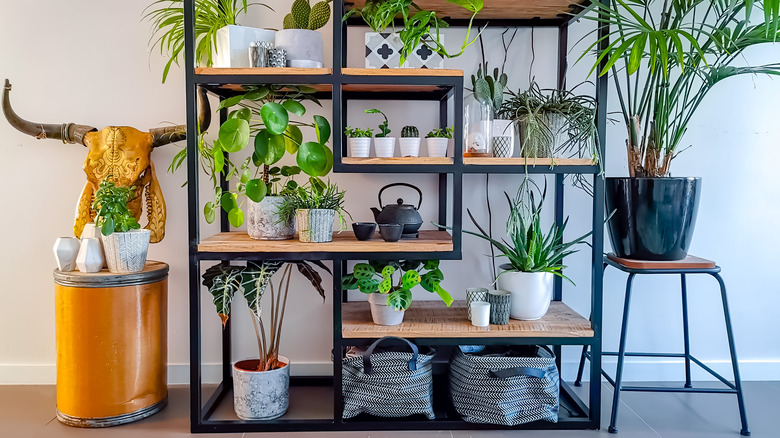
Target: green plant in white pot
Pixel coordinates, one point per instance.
(664, 58)
(389, 286)
(260, 386)
(314, 206)
(300, 38)
(125, 244)
(384, 145)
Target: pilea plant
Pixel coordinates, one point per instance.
(396, 279)
(224, 281)
(304, 16)
(384, 130)
(111, 206)
(410, 132)
(358, 133)
(440, 133)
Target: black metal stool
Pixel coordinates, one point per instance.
(690, 265)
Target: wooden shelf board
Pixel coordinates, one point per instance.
(441, 72)
(397, 160)
(239, 241)
(520, 161)
(270, 71)
(494, 9)
(432, 319)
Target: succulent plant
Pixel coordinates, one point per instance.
(304, 16)
(410, 131)
(489, 89)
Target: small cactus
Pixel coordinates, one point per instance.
(410, 131)
(303, 16)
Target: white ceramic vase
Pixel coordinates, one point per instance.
(359, 147)
(410, 146)
(303, 46)
(261, 395)
(381, 313)
(91, 231)
(66, 249)
(384, 146)
(263, 222)
(437, 147)
(90, 258)
(531, 293)
(503, 138)
(126, 252)
(232, 47)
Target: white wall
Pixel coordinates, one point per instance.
(88, 62)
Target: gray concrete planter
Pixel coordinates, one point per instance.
(264, 223)
(260, 395)
(126, 252)
(315, 225)
(381, 313)
(303, 47)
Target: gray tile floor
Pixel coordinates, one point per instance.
(28, 412)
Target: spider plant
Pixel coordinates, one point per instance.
(167, 17)
(316, 194)
(665, 57)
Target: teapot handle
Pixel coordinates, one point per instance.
(419, 192)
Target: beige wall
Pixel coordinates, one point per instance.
(88, 62)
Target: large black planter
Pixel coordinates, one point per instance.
(653, 217)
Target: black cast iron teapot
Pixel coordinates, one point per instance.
(400, 213)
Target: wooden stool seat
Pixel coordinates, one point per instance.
(690, 262)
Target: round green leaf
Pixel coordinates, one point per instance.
(245, 175)
(108, 226)
(219, 157)
(234, 135)
(294, 107)
(387, 271)
(256, 189)
(275, 118)
(290, 170)
(258, 94)
(368, 285)
(349, 282)
(314, 159)
(293, 137)
(385, 285)
(209, 212)
(228, 202)
(243, 113)
(400, 299)
(323, 129)
(268, 148)
(410, 279)
(236, 217)
(227, 103)
(363, 270)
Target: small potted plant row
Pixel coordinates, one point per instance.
(359, 140)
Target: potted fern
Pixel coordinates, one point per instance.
(260, 386)
(389, 286)
(410, 141)
(663, 60)
(125, 244)
(300, 38)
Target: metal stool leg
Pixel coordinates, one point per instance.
(621, 355)
(686, 338)
(737, 381)
(581, 367)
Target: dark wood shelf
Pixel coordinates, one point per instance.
(497, 9)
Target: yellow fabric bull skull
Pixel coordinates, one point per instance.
(119, 153)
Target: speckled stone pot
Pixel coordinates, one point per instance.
(263, 220)
(260, 395)
(315, 225)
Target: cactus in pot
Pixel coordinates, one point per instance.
(410, 141)
(299, 38)
(304, 16)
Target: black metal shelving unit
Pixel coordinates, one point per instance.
(213, 413)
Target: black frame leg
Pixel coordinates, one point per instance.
(581, 367)
(686, 337)
(621, 355)
(732, 349)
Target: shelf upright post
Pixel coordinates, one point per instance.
(192, 219)
(597, 273)
(224, 226)
(339, 39)
(339, 267)
(443, 184)
(457, 175)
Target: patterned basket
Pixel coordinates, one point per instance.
(505, 387)
(389, 383)
(315, 225)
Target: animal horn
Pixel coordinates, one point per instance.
(67, 132)
(171, 134)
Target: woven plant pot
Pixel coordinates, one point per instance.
(315, 225)
(126, 252)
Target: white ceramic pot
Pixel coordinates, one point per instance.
(263, 222)
(531, 293)
(410, 146)
(65, 251)
(303, 47)
(503, 138)
(381, 313)
(90, 258)
(260, 395)
(126, 252)
(91, 231)
(232, 49)
(315, 225)
(437, 147)
(359, 147)
(384, 146)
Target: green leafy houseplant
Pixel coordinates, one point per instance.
(167, 17)
(665, 58)
(420, 27)
(358, 133)
(111, 207)
(440, 133)
(224, 281)
(396, 279)
(304, 16)
(384, 130)
(316, 194)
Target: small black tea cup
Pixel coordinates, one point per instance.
(391, 232)
(364, 230)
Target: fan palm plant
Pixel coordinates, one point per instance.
(664, 57)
